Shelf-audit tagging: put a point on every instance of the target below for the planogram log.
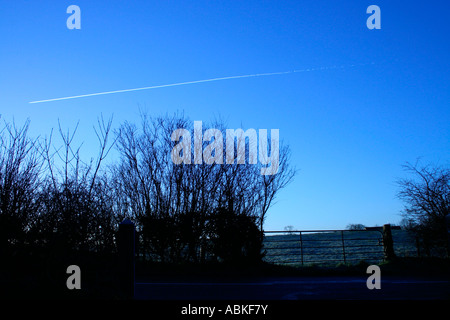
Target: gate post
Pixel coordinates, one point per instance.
(388, 243)
(126, 249)
(447, 222)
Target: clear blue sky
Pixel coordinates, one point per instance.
(350, 128)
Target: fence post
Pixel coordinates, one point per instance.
(343, 245)
(301, 247)
(418, 246)
(447, 222)
(388, 243)
(126, 249)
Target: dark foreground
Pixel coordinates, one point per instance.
(402, 279)
(297, 288)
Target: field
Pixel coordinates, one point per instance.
(332, 247)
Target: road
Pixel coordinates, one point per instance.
(296, 288)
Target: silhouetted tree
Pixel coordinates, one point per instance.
(75, 202)
(289, 229)
(355, 226)
(20, 169)
(427, 203)
(180, 201)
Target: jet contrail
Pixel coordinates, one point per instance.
(196, 81)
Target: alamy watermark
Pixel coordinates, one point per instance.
(74, 280)
(74, 20)
(374, 280)
(235, 147)
(374, 20)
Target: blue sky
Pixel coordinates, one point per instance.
(382, 99)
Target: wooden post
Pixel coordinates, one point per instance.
(447, 222)
(388, 243)
(126, 248)
(418, 246)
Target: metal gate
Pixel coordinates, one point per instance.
(323, 246)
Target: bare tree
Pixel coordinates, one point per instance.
(20, 169)
(75, 202)
(176, 205)
(427, 203)
(355, 226)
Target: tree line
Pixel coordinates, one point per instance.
(54, 201)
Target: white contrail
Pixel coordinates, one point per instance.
(193, 82)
